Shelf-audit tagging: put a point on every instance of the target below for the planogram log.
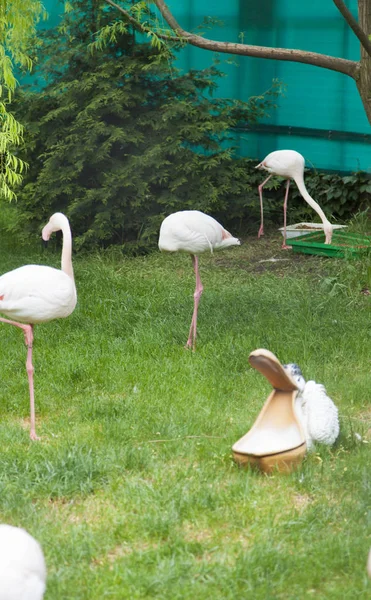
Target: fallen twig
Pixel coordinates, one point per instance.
(186, 437)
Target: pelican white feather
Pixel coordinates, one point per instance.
(317, 412)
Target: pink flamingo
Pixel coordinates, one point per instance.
(194, 232)
(36, 294)
(290, 164)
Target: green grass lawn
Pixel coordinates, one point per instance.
(132, 491)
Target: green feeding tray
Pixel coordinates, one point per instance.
(351, 245)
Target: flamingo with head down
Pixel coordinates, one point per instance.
(35, 294)
(195, 232)
(290, 164)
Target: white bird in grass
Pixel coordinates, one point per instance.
(194, 232)
(290, 164)
(37, 294)
(22, 565)
(316, 411)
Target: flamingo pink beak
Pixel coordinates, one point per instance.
(46, 233)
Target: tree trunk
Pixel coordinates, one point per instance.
(364, 75)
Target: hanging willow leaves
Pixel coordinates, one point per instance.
(18, 22)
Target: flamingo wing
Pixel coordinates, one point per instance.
(190, 231)
(36, 294)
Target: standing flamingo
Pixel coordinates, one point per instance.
(22, 565)
(290, 164)
(37, 294)
(194, 232)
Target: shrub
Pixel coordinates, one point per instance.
(118, 137)
(340, 196)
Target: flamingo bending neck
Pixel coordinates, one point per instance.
(304, 192)
(59, 222)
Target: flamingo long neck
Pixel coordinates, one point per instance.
(66, 262)
(304, 192)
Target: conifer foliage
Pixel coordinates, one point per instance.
(118, 137)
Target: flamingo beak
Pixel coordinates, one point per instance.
(46, 233)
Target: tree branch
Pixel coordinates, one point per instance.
(341, 65)
(141, 28)
(353, 24)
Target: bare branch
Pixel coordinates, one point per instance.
(170, 19)
(353, 24)
(342, 65)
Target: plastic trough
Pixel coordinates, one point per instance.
(344, 244)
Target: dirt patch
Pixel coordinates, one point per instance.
(90, 510)
(121, 551)
(301, 501)
(223, 536)
(196, 534)
(25, 423)
(364, 416)
(267, 256)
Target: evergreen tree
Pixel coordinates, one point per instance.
(119, 138)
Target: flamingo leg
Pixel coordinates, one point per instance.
(284, 245)
(260, 188)
(191, 342)
(28, 335)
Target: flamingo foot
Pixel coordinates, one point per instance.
(285, 247)
(34, 437)
(261, 231)
(190, 345)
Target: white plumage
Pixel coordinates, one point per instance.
(22, 565)
(194, 232)
(290, 164)
(316, 411)
(37, 294)
(285, 163)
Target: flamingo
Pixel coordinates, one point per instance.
(290, 164)
(316, 411)
(36, 294)
(22, 565)
(194, 232)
